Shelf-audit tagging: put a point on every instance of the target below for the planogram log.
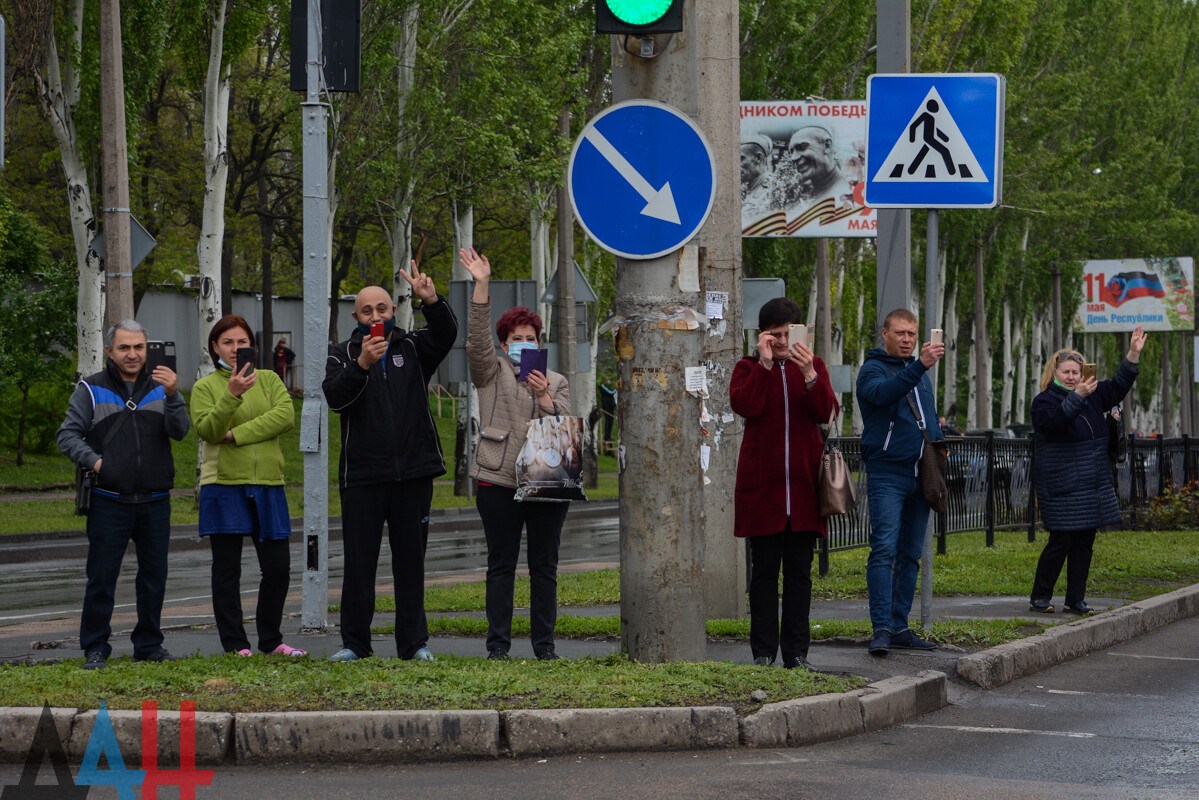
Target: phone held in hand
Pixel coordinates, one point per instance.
(796, 333)
(1088, 371)
(936, 336)
(377, 330)
(245, 355)
(533, 360)
(160, 354)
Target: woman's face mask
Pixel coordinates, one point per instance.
(516, 348)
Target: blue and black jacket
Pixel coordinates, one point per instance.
(891, 439)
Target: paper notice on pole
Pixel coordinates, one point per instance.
(714, 307)
(705, 456)
(689, 268)
(696, 379)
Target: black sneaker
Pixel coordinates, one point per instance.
(880, 643)
(497, 654)
(1080, 608)
(763, 661)
(798, 662)
(547, 655)
(1040, 606)
(907, 640)
(95, 660)
(158, 656)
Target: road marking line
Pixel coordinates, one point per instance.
(71, 612)
(1108, 694)
(1160, 658)
(972, 729)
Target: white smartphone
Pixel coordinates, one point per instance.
(796, 333)
(936, 336)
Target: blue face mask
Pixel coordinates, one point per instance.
(221, 362)
(516, 348)
(388, 325)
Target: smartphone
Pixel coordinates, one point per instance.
(936, 336)
(796, 333)
(1088, 371)
(160, 354)
(377, 330)
(245, 355)
(811, 340)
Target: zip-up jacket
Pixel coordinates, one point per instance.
(257, 419)
(1073, 473)
(387, 431)
(505, 404)
(138, 465)
(891, 439)
(780, 452)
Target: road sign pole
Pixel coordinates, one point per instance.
(932, 319)
(661, 500)
(118, 268)
(894, 270)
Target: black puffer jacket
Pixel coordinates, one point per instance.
(1073, 473)
(387, 432)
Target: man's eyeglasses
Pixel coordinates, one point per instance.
(1070, 357)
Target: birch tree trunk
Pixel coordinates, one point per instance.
(981, 366)
(468, 398)
(1167, 390)
(972, 420)
(1009, 372)
(1022, 377)
(216, 176)
(397, 226)
(860, 357)
(949, 400)
(539, 231)
(58, 92)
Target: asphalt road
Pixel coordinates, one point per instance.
(1119, 724)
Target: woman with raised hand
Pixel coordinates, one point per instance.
(1073, 477)
(506, 405)
(239, 415)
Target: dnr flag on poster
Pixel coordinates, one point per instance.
(1129, 286)
(1118, 295)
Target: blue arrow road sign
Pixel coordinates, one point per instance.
(934, 140)
(641, 179)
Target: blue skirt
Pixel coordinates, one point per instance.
(245, 508)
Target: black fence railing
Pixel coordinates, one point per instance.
(990, 484)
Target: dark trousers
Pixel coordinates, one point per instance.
(404, 506)
(793, 552)
(503, 519)
(274, 564)
(111, 525)
(1072, 548)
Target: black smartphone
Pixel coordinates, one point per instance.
(245, 355)
(160, 354)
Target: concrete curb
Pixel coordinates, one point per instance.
(415, 736)
(1008, 662)
(811, 720)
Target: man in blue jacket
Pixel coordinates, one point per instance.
(892, 443)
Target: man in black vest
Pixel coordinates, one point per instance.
(134, 475)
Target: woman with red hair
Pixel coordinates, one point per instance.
(506, 405)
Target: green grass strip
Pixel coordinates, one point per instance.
(263, 683)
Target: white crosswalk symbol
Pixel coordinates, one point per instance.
(931, 149)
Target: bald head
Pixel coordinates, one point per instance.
(373, 304)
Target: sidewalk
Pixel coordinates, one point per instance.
(903, 685)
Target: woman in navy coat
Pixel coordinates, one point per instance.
(1074, 486)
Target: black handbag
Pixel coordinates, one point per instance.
(85, 479)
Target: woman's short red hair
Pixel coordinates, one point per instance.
(513, 318)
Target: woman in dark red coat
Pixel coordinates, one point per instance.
(784, 394)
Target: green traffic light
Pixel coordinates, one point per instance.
(638, 12)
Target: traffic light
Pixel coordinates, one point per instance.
(638, 17)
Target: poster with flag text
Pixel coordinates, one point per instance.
(1156, 293)
(801, 169)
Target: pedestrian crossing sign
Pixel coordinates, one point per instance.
(934, 140)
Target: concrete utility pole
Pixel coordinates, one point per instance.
(718, 66)
(824, 304)
(661, 499)
(314, 418)
(118, 259)
(568, 353)
(894, 282)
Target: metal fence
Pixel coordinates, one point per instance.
(990, 483)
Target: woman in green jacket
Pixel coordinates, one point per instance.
(239, 417)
